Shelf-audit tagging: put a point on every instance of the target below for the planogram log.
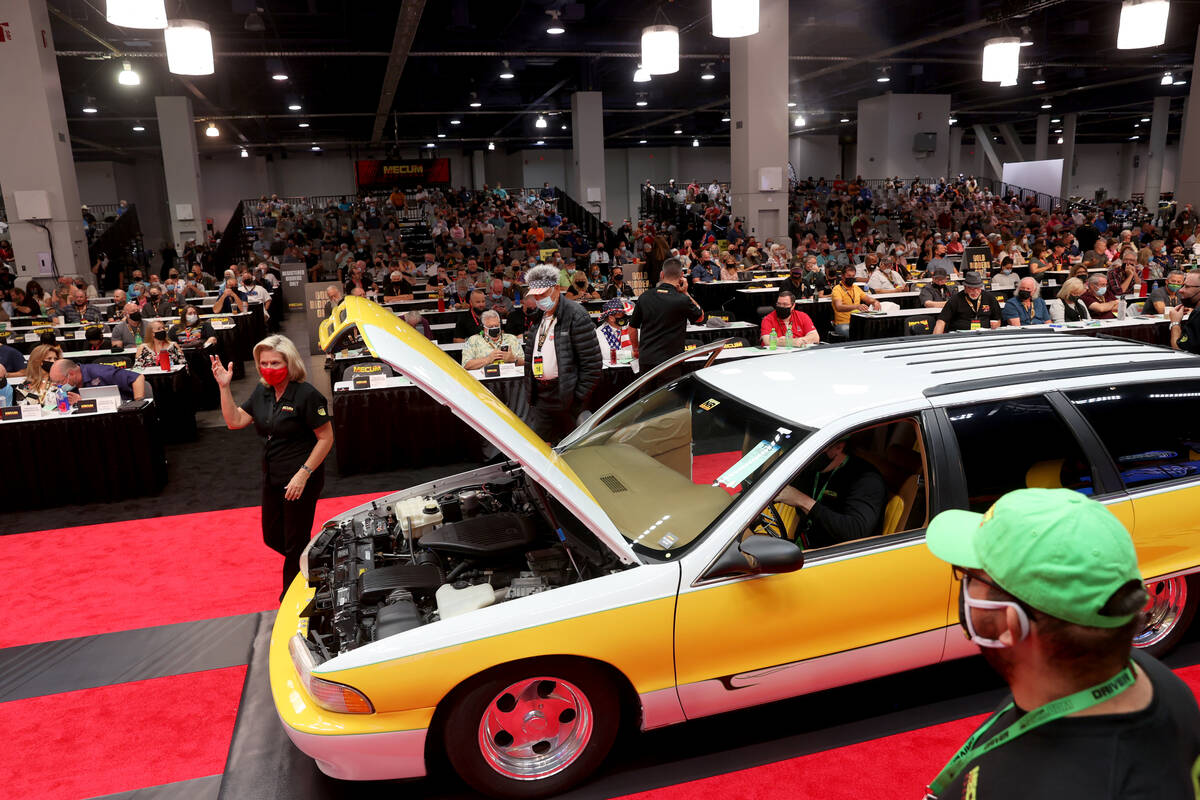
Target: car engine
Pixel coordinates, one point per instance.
(397, 566)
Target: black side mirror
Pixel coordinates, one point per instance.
(758, 554)
(771, 555)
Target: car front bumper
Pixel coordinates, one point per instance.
(379, 746)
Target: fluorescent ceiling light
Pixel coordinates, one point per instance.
(491, 145)
(474, 101)
(725, 118)
(540, 142)
(189, 47)
(506, 72)
(799, 121)
(456, 122)
(708, 74)
(89, 107)
(245, 153)
(733, 19)
(1001, 60)
(844, 119)
(640, 75)
(660, 49)
(1060, 140)
(316, 148)
(212, 131)
(294, 107)
(302, 125)
(279, 76)
(147, 14)
(678, 131)
(127, 77)
(695, 142)
(441, 136)
(1166, 79)
(540, 122)
(430, 144)
(1143, 24)
(138, 128)
(641, 141)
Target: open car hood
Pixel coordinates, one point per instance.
(395, 342)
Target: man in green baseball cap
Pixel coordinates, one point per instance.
(1050, 591)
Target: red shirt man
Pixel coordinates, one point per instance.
(785, 317)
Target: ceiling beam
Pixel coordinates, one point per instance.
(406, 30)
(532, 107)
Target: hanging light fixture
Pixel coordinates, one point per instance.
(302, 125)
(127, 77)
(695, 142)
(660, 49)
(294, 106)
(640, 75)
(799, 121)
(555, 27)
(733, 19)
(1039, 79)
(540, 142)
(1060, 140)
(884, 75)
(189, 47)
(791, 103)
(1167, 80)
(708, 74)
(316, 148)
(641, 141)
(1002, 60)
(245, 153)
(678, 131)
(456, 122)
(279, 76)
(641, 101)
(474, 101)
(212, 131)
(441, 136)
(726, 118)
(506, 72)
(430, 144)
(1046, 103)
(541, 122)
(847, 119)
(89, 107)
(1143, 24)
(148, 14)
(138, 127)
(491, 145)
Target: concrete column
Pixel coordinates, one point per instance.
(889, 127)
(37, 172)
(1187, 187)
(478, 173)
(181, 167)
(1125, 171)
(587, 150)
(1012, 141)
(758, 85)
(956, 137)
(1158, 149)
(1041, 142)
(983, 140)
(1068, 152)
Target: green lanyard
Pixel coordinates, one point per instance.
(1071, 704)
(816, 496)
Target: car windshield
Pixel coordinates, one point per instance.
(665, 467)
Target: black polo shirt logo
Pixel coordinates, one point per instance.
(287, 408)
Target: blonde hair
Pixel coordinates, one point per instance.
(34, 376)
(291, 356)
(1069, 287)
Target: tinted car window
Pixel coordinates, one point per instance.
(1017, 444)
(1151, 431)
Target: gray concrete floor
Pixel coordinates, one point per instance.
(294, 327)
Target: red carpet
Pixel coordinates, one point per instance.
(124, 575)
(119, 738)
(892, 767)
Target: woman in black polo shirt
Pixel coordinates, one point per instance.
(292, 417)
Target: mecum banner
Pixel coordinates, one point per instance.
(375, 174)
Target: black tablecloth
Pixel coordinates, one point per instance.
(871, 327)
(82, 459)
(175, 404)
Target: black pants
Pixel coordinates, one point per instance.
(548, 417)
(287, 524)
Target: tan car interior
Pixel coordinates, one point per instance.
(898, 452)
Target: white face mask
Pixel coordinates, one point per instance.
(967, 602)
(191, 319)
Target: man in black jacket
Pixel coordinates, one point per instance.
(660, 318)
(840, 498)
(562, 357)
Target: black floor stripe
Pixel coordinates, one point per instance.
(196, 789)
(90, 661)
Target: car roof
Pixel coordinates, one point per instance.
(818, 386)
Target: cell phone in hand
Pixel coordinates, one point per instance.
(503, 348)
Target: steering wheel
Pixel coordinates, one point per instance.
(769, 519)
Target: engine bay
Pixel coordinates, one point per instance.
(399, 565)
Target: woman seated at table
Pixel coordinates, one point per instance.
(37, 373)
(1072, 309)
(729, 268)
(147, 352)
(191, 331)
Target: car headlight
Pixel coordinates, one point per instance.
(328, 695)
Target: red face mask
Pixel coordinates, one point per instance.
(275, 376)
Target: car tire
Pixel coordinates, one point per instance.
(569, 713)
(1169, 613)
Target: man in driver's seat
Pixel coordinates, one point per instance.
(838, 496)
